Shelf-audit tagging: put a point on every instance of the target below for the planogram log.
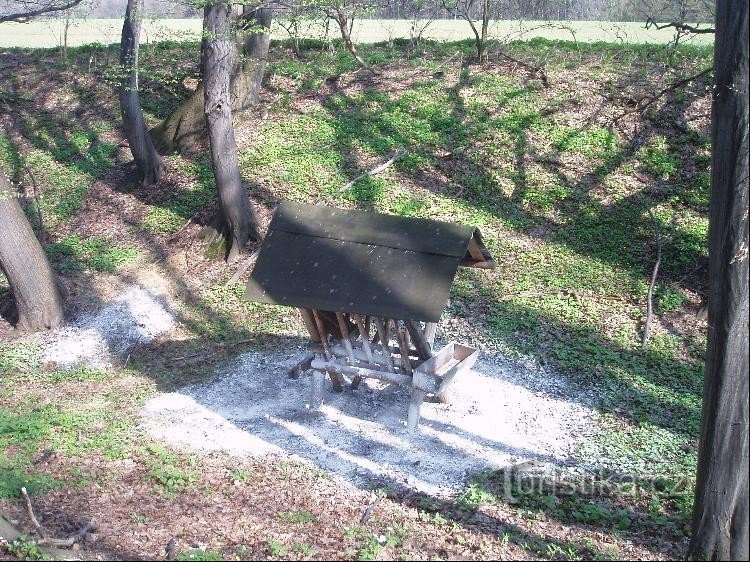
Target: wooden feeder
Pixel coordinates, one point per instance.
(370, 289)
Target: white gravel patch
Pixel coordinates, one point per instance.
(135, 317)
(502, 413)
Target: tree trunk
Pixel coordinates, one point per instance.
(345, 25)
(485, 25)
(184, 127)
(65, 40)
(239, 218)
(24, 263)
(187, 124)
(720, 519)
(147, 160)
(252, 56)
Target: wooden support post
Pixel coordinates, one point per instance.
(420, 342)
(338, 383)
(384, 347)
(415, 405)
(403, 349)
(430, 329)
(316, 394)
(364, 331)
(429, 332)
(322, 333)
(345, 337)
(301, 367)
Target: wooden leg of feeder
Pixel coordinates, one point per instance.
(301, 367)
(403, 349)
(345, 337)
(429, 333)
(337, 381)
(364, 331)
(383, 335)
(316, 394)
(322, 333)
(415, 404)
(421, 344)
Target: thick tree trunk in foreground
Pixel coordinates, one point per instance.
(240, 222)
(24, 263)
(252, 56)
(146, 159)
(720, 520)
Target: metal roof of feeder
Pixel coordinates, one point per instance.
(360, 262)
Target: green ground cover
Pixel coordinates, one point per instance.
(566, 200)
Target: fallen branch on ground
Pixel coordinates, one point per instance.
(537, 71)
(50, 541)
(654, 273)
(242, 268)
(640, 105)
(368, 510)
(397, 156)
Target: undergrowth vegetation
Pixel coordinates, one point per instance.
(568, 187)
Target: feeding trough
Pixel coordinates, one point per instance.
(370, 288)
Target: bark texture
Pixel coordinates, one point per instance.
(188, 123)
(185, 126)
(720, 520)
(25, 264)
(147, 160)
(252, 57)
(239, 218)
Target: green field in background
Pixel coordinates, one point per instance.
(48, 33)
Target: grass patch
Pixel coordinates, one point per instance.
(300, 517)
(176, 206)
(99, 254)
(167, 469)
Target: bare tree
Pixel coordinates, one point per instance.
(344, 12)
(238, 222)
(24, 263)
(465, 9)
(147, 161)
(420, 12)
(720, 519)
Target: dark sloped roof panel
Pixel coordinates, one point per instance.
(342, 276)
(419, 235)
(360, 262)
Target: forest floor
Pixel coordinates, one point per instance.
(566, 182)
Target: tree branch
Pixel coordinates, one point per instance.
(679, 26)
(640, 105)
(25, 17)
(654, 274)
(376, 170)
